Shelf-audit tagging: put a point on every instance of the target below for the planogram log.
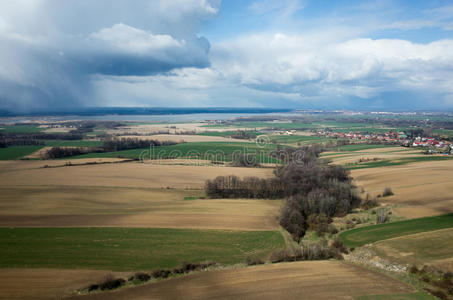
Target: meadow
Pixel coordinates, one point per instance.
(370, 234)
(129, 248)
(21, 129)
(396, 162)
(17, 152)
(218, 151)
(74, 143)
(433, 247)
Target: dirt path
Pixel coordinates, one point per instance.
(300, 280)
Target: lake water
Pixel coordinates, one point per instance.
(146, 118)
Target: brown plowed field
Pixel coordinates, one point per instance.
(299, 280)
(423, 188)
(46, 284)
(132, 174)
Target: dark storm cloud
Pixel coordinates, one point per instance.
(50, 50)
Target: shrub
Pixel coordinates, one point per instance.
(369, 203)
(437, 293)
(252, 261)
(413, 269)
(382, 216)
(318, 223)
(161, 273)
(93, 287)
(143, 277)
(245, 160)
(448, 276)
(338, 244)
(110, 283)
(189, 267)
(387, 192)
(332, 229)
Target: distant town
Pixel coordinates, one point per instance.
(433, 145)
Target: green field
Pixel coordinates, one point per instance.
(73, 143)
(395, 162)
(359, 147)
(129, 248)
(370, 234)
(21, 129)
(218, 151)
(252, 134)
(292, 139)
(16, 152)
(421, 248)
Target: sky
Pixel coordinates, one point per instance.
(364, 55)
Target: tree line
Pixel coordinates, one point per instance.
(111, 145)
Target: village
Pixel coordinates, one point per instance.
(432, 145)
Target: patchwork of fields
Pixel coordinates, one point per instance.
(61, 219)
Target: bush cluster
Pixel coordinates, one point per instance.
(110, 282)
(61, 152)
(249, 187)
(369, 202)
(243, 134)
(253, 261)
(387, 192)
(245, 160)
(313, 251)
(441, 282)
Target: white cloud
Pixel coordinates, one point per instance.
(357, 67)
(133, 40)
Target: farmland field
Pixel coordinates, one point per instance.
(370, 234)
(44, 284)
(69, 206)
(132, 174)
(83, 217)
(433, 247)
(274, 281)
(126, 194)
(21, 129)
(413, 185)
(17, 152)
(129, 249)
(76, 143)
(221, 151)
